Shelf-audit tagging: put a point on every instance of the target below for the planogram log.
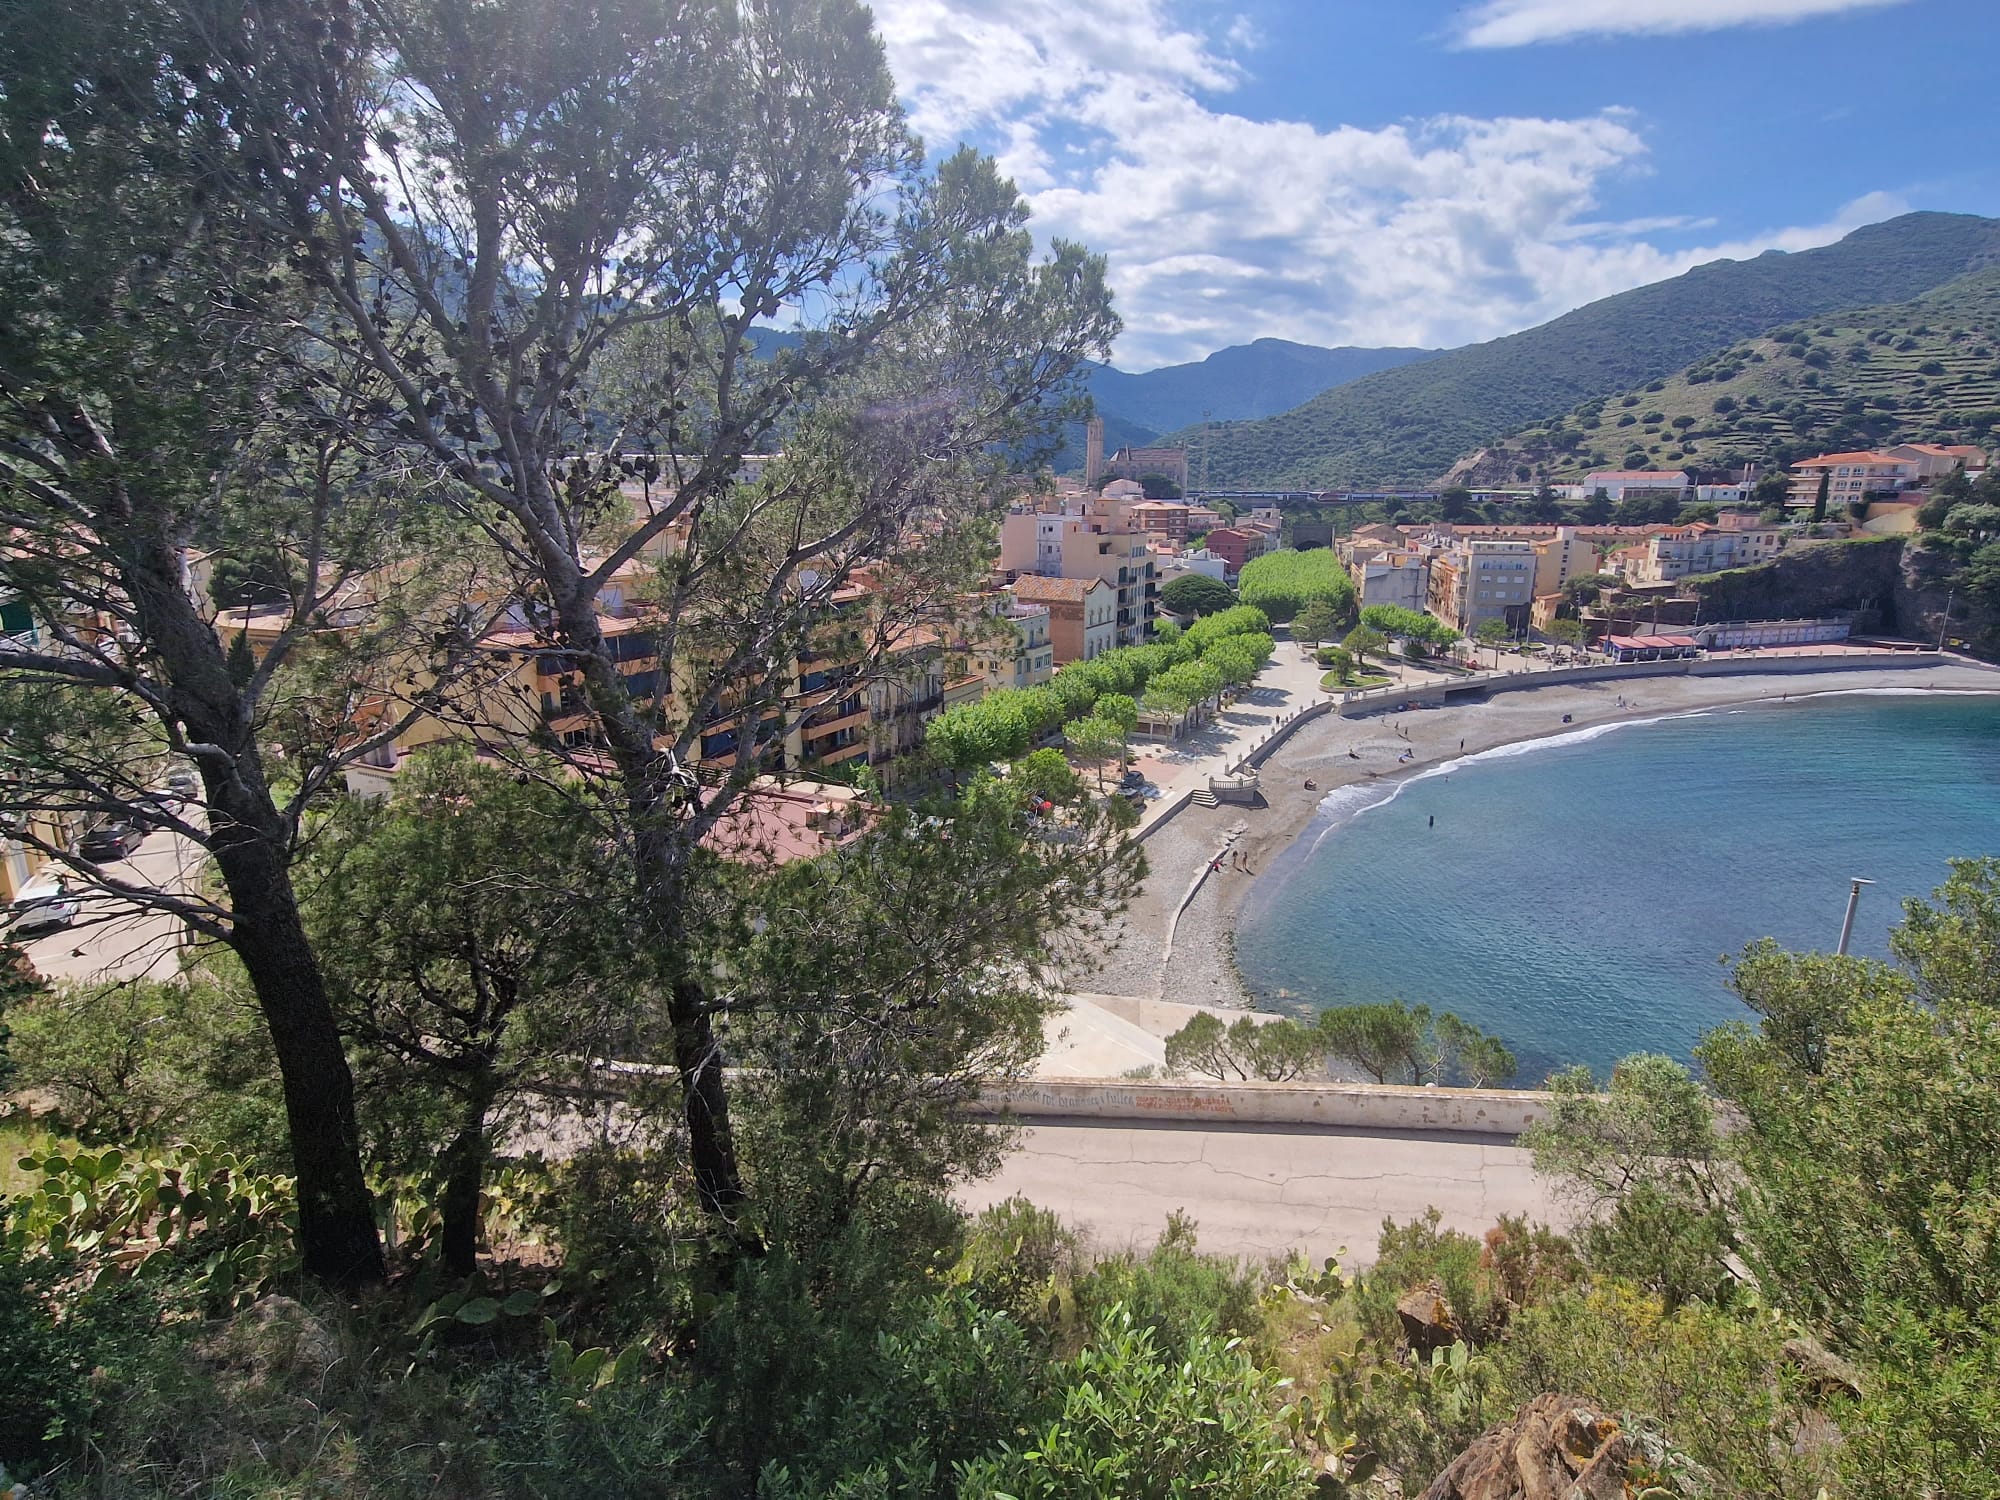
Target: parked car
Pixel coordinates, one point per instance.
(46, 904)
(43, 914)
(155, 809)
(113, 840)
(1132, 780)
(183, 783)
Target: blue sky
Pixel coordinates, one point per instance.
(1433, 172)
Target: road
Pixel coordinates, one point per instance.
(115, 938)
(1262, 1190)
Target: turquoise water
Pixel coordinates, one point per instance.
(1574, 896)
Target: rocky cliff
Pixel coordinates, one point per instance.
(1892, 585)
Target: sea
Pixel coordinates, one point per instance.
(1580, 896)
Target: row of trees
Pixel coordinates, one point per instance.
(1390, 1043)
(1170, 675)
(1283, 583)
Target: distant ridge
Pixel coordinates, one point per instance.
(1410, 424)
(1927, 370)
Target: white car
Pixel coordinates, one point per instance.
(46, 904)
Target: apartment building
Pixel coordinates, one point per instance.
(1083, 614)
(1705, 547)
(1849, 477)
(1014, 649)
(1477, 579)
(1237, 545)
(1389, 575)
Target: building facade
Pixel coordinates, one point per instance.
(1083, 614)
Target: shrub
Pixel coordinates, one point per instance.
(1126, 1418)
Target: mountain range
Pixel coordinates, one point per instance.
(1927, 370)
(1411, 423)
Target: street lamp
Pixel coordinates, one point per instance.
(1847, 926)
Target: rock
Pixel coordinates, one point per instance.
(1558, 1448)
(1427, 1318)
(1821, 1371)
(275, 1343)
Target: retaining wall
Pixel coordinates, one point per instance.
(1438, 694)
(1344, 1106)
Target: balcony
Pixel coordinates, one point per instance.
(853, 719)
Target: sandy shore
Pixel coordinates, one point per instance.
(1200, 969)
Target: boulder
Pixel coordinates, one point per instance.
(1557, 1448)
(1427, 1318)
(275, 1344)
(1821, 1372)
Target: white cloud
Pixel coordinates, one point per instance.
(1221, 228)
(1518, 23)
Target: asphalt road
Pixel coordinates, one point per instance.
(117, 939)
(1263, 1190)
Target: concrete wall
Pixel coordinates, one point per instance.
(1344, 1106)
(1436, 695)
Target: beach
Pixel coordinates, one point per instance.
(1178, 949)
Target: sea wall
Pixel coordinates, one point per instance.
(1338, 1106)
(1465, 689)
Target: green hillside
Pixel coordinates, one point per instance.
(1411, 423)
(1921, 371)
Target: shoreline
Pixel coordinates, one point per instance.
(1201, 969)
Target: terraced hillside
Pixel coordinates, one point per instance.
(1927, 370)
(1412, 423)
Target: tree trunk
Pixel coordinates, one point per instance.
(464, 1174)
(337, 1235)
(705, 1104)
(248, 837)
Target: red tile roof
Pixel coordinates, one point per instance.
(1065, 590)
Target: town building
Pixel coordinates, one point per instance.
(1237, 545)
(1083, 614)
(1137, 463)
(1707, 547)
(1476, 579)
(1014, 649)
(1389, 575)
(1636, 484)
(1850, 478)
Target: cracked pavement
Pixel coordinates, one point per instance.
(1258, 1191)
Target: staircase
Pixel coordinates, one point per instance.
(1203, 797)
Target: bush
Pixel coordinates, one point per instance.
(1174, 1292)
(1127, 1418)
(1407, 1256)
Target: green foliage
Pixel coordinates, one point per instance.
(1399, 1043)
(1786, 400)
(1196, 594)
(1275, 1051)
(1181, 689)
(1715, 1381)
(1126, 1419)
(1044, 776)
(1318, 621)
(1408, 624)
(1366, 640)
(1870, 1101)
(1284, 582)
(144, 1062)
(1340, 662)
(205, 1221)
(1410, 424)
